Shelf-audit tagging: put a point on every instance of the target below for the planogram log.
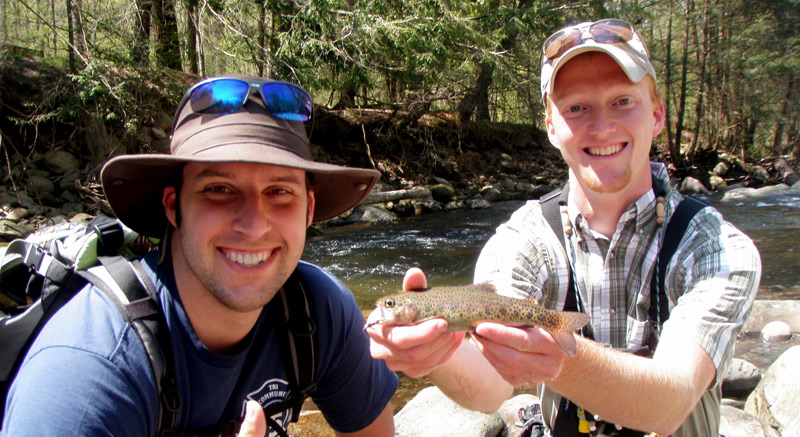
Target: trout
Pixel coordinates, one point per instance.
(465, 306)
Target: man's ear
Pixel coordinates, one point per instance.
(311, 202)
(551, 132)
(169, 200)
(659, 117)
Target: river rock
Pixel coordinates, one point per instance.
(776, 331)
(60, 161)
(717, 183)
(693, 186)
(776, 401)
(737, 423)
(432, 414)
(366, 214)
(41, 185)
(442, 193)
(17, 214)
(490, 193)
(765, 311)
(740, 379)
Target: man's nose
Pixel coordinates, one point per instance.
(601, 123)
(253, 216)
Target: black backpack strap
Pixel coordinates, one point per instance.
(676, 227)
(300, 348)
(140, 306)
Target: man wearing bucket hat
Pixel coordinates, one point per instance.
(602, 113)
(233, 201)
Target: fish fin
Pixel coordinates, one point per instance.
(564, 336)
(486, 286)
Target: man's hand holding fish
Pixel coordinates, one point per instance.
(513, 355)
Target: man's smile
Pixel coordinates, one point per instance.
(247, 259)
(605, 151)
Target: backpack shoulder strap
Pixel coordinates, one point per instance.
(135, 297)
(300, 347)
(673, 234)
(551, 205)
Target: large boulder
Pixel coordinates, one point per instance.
(776, 400)
(432, 414)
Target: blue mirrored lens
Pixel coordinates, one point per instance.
(221, 96)
(287, 101)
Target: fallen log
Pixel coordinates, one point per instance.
(393, 196)
(785, 171)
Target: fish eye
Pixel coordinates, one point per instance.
(389, 302)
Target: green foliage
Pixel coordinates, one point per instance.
(740, 69)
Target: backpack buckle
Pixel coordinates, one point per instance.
(110, 237)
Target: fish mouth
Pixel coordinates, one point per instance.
(247, 258)
(605, 150)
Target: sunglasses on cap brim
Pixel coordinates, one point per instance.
(603, 32)
(222, 96)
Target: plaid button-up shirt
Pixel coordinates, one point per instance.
(711, 280)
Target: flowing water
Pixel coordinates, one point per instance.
(372, 259)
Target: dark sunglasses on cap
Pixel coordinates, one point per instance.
(228, 95)
(603, 32)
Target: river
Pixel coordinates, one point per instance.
(371, 259)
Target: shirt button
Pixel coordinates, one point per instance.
(612, 311)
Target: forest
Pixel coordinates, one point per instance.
(728, 69)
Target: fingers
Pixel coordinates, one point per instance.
(414, 280)
(255, 423)
(414, 350)
(520, 356)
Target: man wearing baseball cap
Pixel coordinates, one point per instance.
(602, 113)
(232, 200)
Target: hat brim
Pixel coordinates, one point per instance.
(134, 184)
(635, 70)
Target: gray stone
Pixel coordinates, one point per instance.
(442, 192)
(740, 379)
(737, 423)
(60, 161)
(776, 400)
(40, 185)
(17, 214)
(432, 414)
(693, 186)
(765, 311)
(776, 330)
(158, 133)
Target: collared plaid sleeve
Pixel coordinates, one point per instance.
(712, 282)
(524, 259)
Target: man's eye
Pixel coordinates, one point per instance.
(574, 108)
(217, 189)
(624, 101)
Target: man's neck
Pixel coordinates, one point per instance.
(602, 211)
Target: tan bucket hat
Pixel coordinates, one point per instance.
(134, 184)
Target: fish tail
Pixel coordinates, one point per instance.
(564, 335)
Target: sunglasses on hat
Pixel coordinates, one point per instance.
(603, 32)
(228, 95)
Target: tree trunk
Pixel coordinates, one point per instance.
(677, 158)
(191, 35)
(71, 37)
(164, 30)
(141, 35)
(476, 101)
(780, 127)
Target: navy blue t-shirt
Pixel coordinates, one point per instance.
(88, 374)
